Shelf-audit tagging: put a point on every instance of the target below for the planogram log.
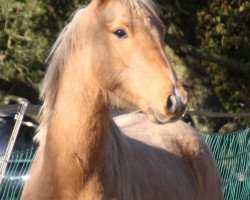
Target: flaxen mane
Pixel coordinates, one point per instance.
(63, 47)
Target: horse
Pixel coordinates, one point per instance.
(115, 49)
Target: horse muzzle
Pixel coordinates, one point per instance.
(176, 103)
(175, 108)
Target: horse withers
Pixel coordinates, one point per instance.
(114, 48)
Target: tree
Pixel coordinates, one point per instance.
(207, 42)
(28, 29)
(204, 67)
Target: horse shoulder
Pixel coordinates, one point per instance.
(181, 140)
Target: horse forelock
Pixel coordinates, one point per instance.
(145, 5)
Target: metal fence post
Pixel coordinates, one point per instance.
(19, 118)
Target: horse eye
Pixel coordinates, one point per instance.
(121, 34)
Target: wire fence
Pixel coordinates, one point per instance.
(232, 154)
(230, 150)
(16, 174)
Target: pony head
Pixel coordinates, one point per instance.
(121, 47)
(129, 37)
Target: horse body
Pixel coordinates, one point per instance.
(82, 153)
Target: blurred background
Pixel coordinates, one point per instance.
(207, 42)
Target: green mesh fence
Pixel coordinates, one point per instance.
(16, 174)
(231, 152)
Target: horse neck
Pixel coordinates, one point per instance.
(79, 125)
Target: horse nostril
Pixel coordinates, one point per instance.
(171, 103)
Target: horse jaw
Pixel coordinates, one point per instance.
(159, 118)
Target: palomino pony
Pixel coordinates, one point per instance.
(115, 48)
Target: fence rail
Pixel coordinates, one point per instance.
(34, 110)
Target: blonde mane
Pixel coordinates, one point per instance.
(60, 51)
